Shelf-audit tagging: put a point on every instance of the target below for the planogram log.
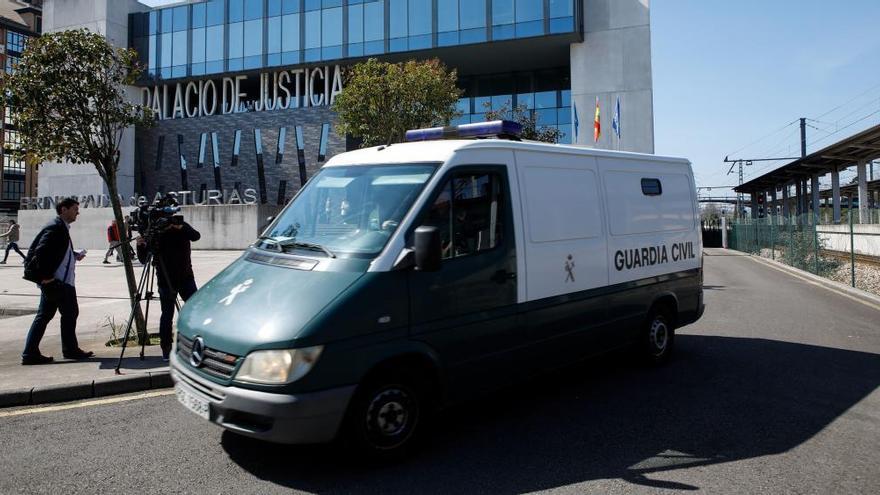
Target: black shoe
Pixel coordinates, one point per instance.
(79, 354)
(38, 359)
(106, 262)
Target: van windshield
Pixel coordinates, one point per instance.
(348, 211)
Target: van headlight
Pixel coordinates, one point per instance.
(278, 366)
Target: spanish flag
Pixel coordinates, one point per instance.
(597, 127)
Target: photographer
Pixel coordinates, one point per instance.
(172, 257)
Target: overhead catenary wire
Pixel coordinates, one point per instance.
(872, 88)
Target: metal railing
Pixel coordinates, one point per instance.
(848, 252)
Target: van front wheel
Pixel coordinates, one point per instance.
(386, 416)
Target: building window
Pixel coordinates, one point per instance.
(13, 189)
(13, 165)
(545, 94)
(11, 139)
(410, 25)
(11, 62)
(15, 41)
(561, 16)
(366, 28)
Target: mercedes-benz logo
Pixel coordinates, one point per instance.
(198, 352)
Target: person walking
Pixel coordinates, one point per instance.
(11, 236)
(113, 240)
(51, 263)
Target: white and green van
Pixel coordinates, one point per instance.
(405, 278)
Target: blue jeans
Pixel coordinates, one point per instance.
(167, 298)
(10, 246)
(58, 297)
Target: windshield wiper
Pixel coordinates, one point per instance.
(307, 245)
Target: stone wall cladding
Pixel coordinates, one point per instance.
(148, 180)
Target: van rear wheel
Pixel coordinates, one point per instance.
(387, 416)
(658, 336)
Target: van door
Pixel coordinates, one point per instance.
(565, 250)
(467, 310)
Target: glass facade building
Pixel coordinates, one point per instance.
(243, 90)
(219, 36)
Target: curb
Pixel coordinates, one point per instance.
(101, 387)
(865, 296)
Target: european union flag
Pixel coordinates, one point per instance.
(615, 122)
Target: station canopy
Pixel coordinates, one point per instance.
(864, 146)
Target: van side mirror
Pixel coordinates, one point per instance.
(427, 248)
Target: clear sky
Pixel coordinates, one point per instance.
(729, 73)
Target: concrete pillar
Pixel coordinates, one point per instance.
(785, 206)
(814, 192)
(805, 198)
(835, 193)
(724, 232)
(798, 197)
(771, 203)
(754, 205)
(614, 60)
(863, 192)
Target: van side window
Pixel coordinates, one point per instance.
(467, 213)
(651, 187)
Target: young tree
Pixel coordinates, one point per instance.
(69, 99)
(381, 101)
(526, 118)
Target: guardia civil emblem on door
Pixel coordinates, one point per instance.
(569, 269)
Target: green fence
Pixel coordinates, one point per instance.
(804, 244)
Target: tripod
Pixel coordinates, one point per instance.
(144, 292)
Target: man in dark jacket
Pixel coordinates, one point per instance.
(172, 255)
(51, 263)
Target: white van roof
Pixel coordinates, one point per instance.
(443, 150)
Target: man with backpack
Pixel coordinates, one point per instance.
(51, 264)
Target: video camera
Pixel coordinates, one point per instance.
(151, 220)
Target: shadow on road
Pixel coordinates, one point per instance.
(721, 399)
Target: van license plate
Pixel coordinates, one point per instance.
(192, 402)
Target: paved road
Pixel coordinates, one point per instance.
(773, 391)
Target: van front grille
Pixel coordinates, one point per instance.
(215, 363)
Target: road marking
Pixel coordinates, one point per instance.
(757, 259)
(91, 403)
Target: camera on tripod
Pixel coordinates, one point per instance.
(151, 220)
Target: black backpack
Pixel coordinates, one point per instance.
(31, 264)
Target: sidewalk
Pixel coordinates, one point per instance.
(101, 293)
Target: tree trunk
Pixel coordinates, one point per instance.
(143, 337)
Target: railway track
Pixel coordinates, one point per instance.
(860, 258)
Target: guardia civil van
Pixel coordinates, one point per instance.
(405, 278)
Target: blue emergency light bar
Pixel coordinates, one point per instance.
(495, 128)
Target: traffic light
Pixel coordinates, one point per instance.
(760, 205)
